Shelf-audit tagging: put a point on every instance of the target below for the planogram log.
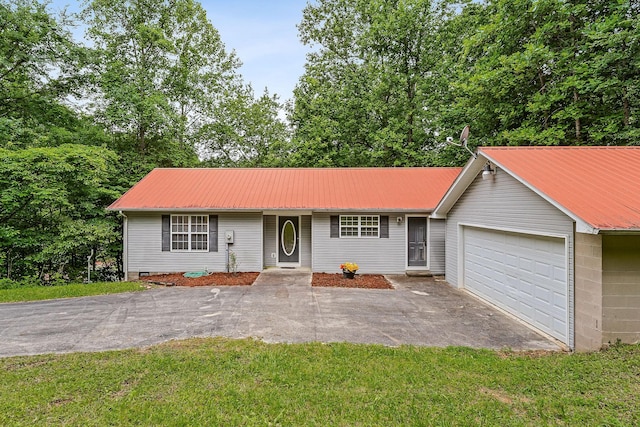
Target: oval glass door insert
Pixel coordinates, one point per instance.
(288, 238)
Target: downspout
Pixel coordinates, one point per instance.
(125, 235)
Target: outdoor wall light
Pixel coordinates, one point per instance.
(488, 172)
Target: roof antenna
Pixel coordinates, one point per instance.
(464, 138)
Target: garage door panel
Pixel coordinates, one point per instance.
(544, 270)
(523, 274)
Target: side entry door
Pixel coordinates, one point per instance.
(417, 240)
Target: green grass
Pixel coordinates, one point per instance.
(246, 382)
(67, 291)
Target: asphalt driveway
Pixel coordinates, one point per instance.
(280, 307)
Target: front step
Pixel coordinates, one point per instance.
(419, 273)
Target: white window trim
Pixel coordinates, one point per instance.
(359, 226)
(189, 233)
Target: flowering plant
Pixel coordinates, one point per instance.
(351, 267)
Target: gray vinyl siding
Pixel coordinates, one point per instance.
(145, 245)
(502, 203)
(270, 241)
(373, 255)
(436, 246)
(305, 244)
(505, 203)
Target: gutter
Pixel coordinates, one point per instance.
(279, 211)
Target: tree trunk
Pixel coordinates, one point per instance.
(626, 113)
(141, 140)
(411, 94)
(578, 124)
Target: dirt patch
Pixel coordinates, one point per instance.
(363, 281)
(213, 279)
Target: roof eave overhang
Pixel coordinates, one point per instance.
(469, 173)
(192, 209)
(617, 231)
(271, 209)
(582, 226)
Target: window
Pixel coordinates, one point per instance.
(359, 226)
(189, 232)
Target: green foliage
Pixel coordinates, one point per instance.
(8, 284)
(52, 207)
(246, 132)
(40, 65)
(389, 80)
(361, 101)
(168, 89)
(247, 382)
(539, 72)
(385, 84)
(25, 291)
(79, 126)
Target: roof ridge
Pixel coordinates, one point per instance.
(312, 168)
(561, 147)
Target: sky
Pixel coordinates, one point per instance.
(263, 34)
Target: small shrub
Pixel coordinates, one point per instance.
(30, 282)
(55, 279)
(233, 262)
(8, 284)
(106, 273)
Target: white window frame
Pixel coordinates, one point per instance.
(359, 225)
(190, 232)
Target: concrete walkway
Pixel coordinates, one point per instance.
(281, 306)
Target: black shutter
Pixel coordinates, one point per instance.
(213, 233)
(166, 233)
(384, 227)
(335, 226)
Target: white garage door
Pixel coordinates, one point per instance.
(523, 274)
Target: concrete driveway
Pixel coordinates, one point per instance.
(280, 307)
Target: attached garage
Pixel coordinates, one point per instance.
(523, 274)
(550, 235)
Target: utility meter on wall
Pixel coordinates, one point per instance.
(228, 236)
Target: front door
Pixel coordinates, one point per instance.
(289, 240)
(417, 237)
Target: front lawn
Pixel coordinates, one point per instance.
(37, 293)
(246, 382)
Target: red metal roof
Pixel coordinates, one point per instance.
(600, 185)
(406, 189)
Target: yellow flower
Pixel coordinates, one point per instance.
(349, 266)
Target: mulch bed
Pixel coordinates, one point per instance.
(213, 279)
(363, 281)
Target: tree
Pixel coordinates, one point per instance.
(551, 72)
(362, 98)
(245, 132)
(52, 208)
(390, 79)
(167, 85)
(39, 68)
